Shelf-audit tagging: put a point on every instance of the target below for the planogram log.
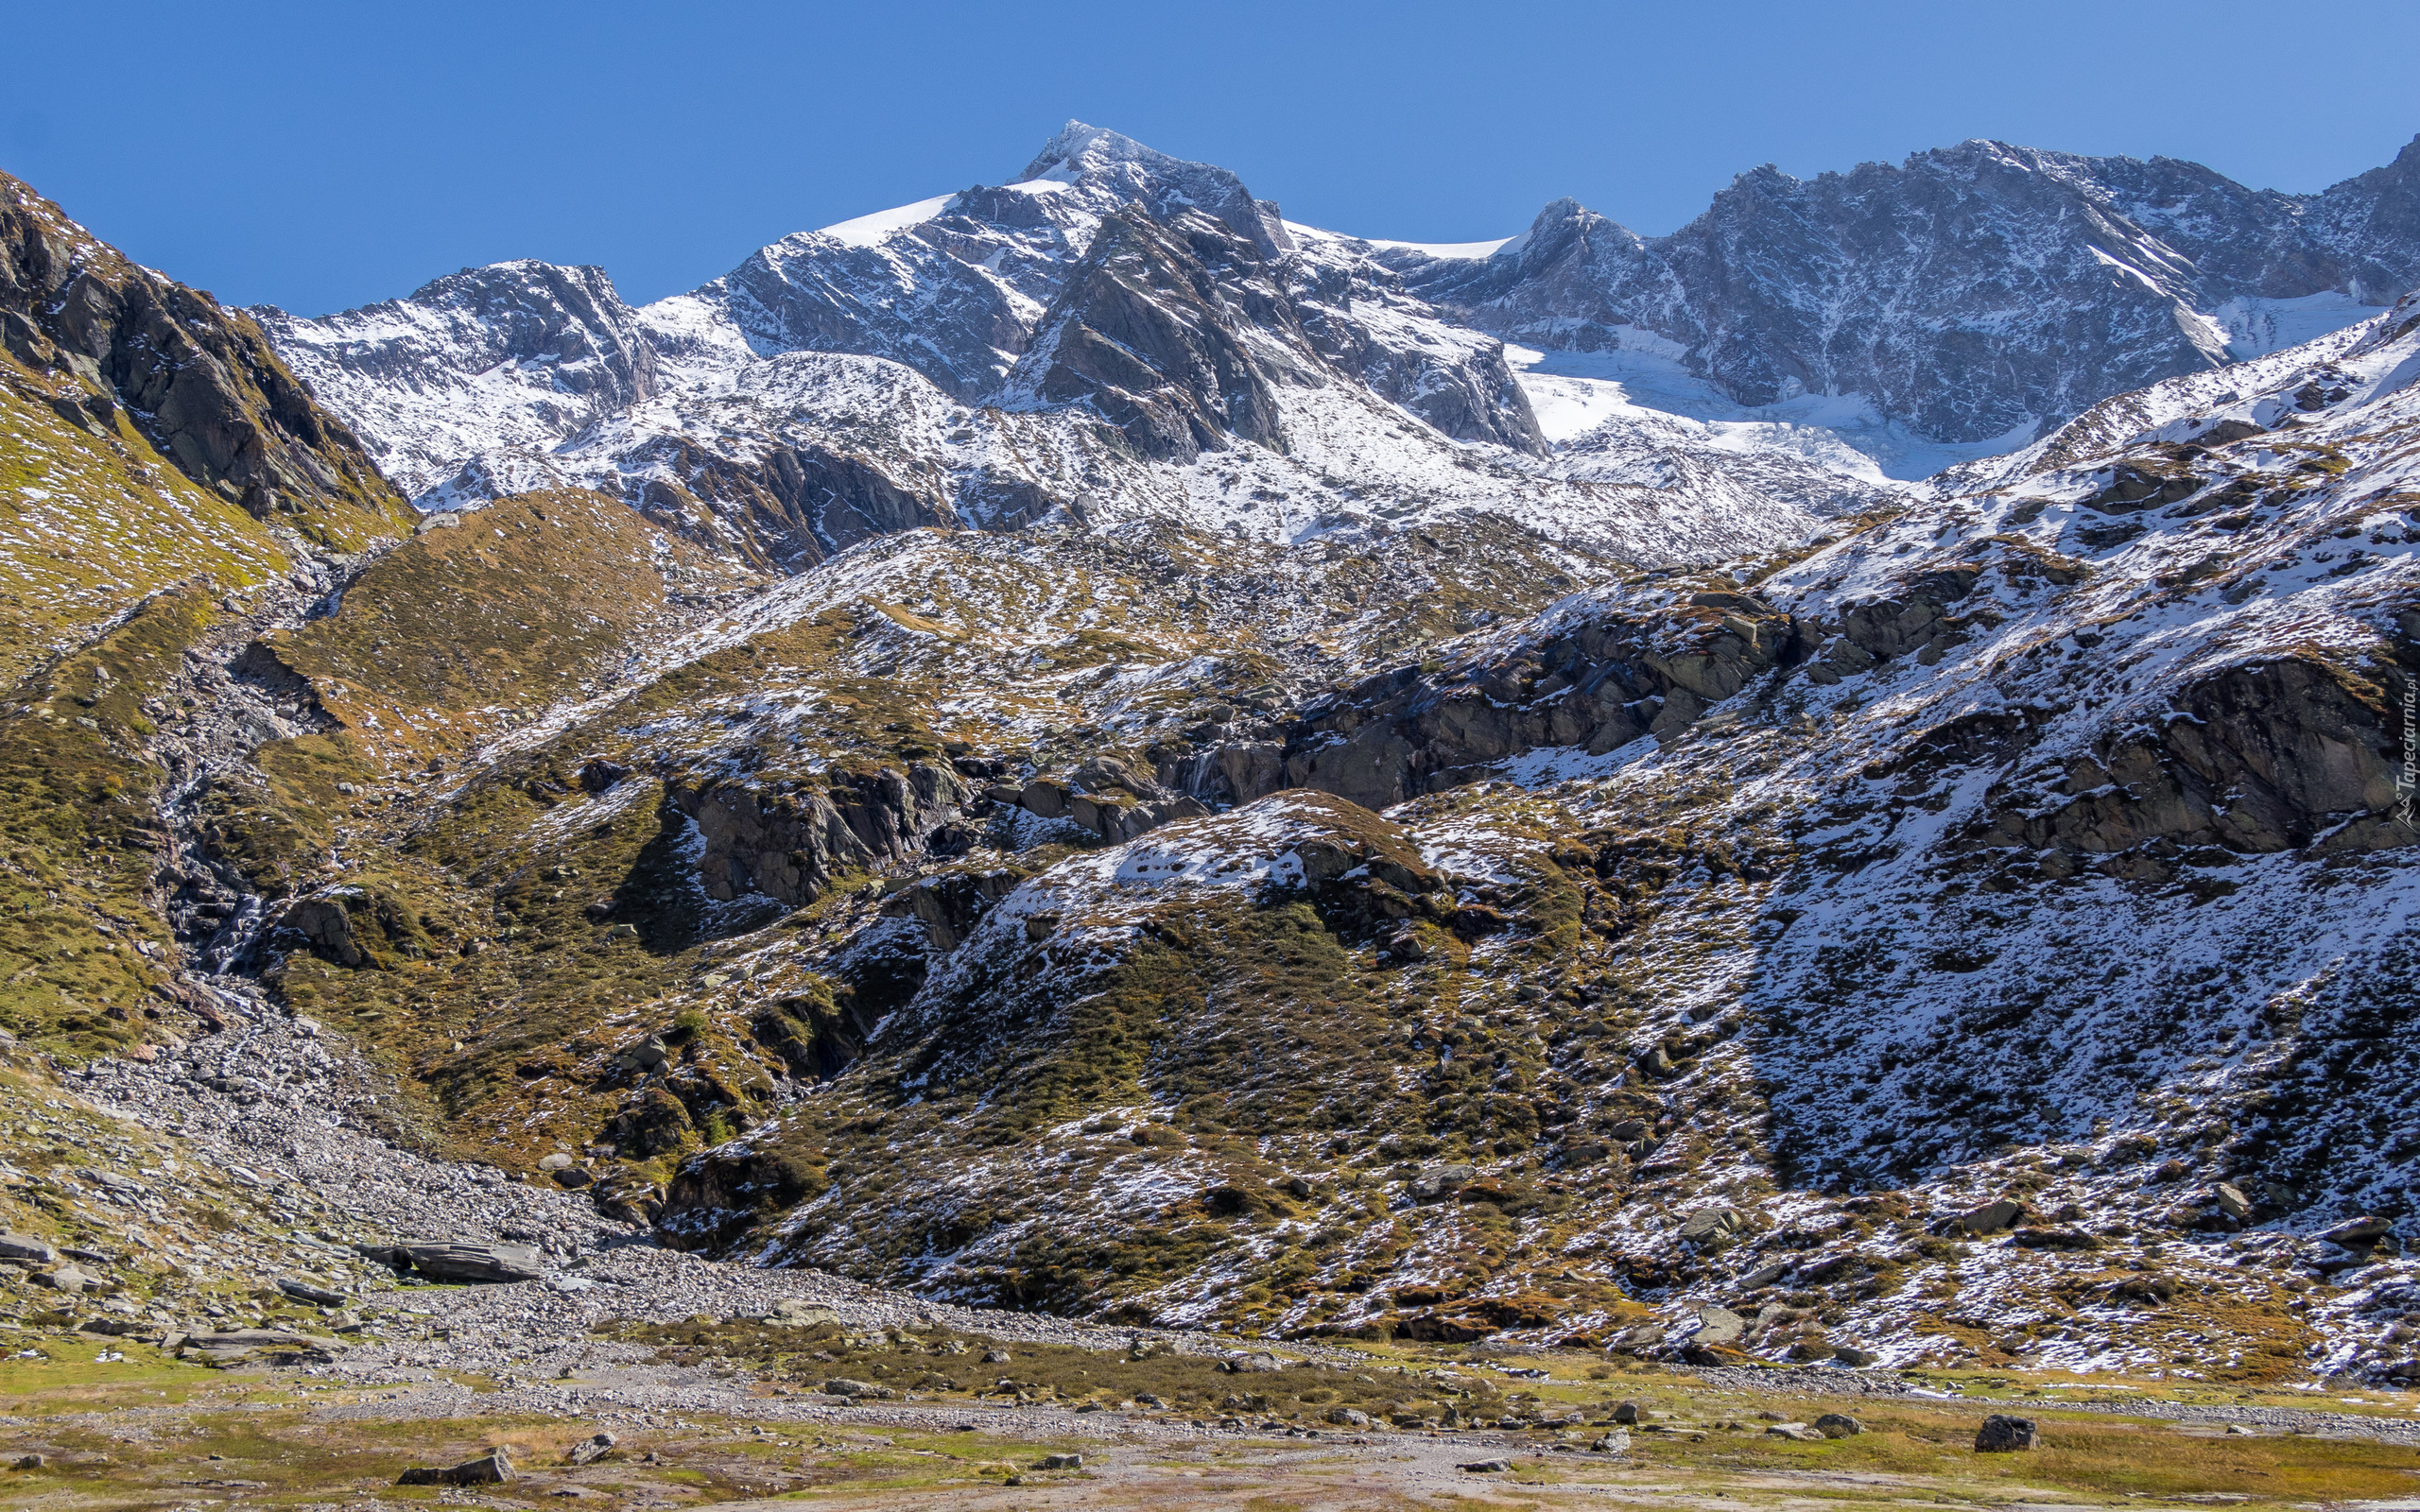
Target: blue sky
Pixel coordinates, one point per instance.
(322, 156)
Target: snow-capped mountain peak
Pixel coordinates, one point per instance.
(1789, 354)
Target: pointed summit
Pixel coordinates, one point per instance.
(1120, 166)
(1079, 149)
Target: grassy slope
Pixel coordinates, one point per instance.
(112, 560)
(917, 643)
(80, 941)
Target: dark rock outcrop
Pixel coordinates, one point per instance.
(2254, 758)
(949, 904)
(787, 841)
(1600, 685)
(790, 507)
(198, 381)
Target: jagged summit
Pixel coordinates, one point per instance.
(1993, 289)
(1079, 148)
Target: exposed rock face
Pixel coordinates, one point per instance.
(1354, 310)
(787, 844)
(1600, 685)
(949, 905)
(1112, 282)
(1906, 283)
(981, 266)
(787, 506)
(1147, 331)
(356, 926)
(199, 381)
(2254, 758)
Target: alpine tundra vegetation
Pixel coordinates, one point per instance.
(1286, 834)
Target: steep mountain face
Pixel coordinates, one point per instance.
(522, 354)
(199, 384)
(1971, 291)
(162, 476)
(956, 287)
(1154, 330)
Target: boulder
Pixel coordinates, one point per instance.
(1719, 1325)
(1640, 1336)
(1258, 1362)
(644, 1056)
(1626, 1411)
(1440, 1180)
(1799, 1431)
(2232, 1201)
(1348, 1417)
(257, 1338)
(234, 1346)
(588, 1451)
(844, 1387)
(317, 1296)
(1838, 1425)
(69, 1279)
(1990, 1218)
(1485, 1466)
(26, 1247)
(801, 1313)
(2359, 1232)
(2001, 1435)
(1063, 1462)
(1616, 1441)
(556, 1162)
(2068, 1239)
(491, 1468)
(1712, 1225)
(458, 1262)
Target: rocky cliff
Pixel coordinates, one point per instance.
(199, 383)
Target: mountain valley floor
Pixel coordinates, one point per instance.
(731, 1385)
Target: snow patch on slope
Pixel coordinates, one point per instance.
(869, 231)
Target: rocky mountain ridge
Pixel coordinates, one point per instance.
(1977, 291)
(1116, 326)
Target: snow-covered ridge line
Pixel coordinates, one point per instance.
(521, 375)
